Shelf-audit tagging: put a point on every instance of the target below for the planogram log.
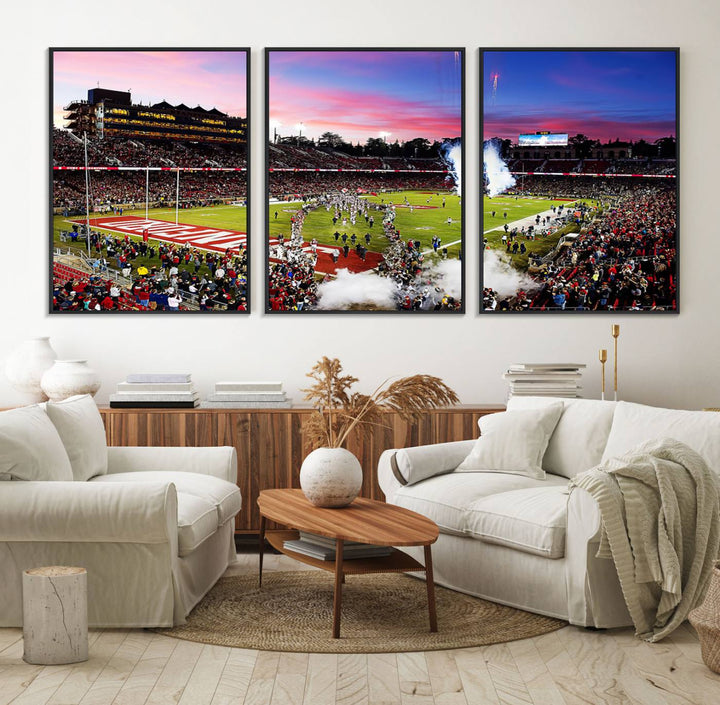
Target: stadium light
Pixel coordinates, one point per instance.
(384, 135)
(300, 127)
(275, 124)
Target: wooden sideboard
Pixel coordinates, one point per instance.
(270, 444)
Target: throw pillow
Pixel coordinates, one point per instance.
(579, 439)
(81, 429)
(30, 447)
(411, 465)
(513, 442)
(636, 423)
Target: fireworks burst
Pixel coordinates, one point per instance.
(494, 80)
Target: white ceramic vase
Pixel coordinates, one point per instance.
(331, 477)
(66, 378)
(26, 366)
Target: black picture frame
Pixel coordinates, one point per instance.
(161, 134)
(645, 285)
(337, 166)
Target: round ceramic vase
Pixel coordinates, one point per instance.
(66, 378)
(25, 367)
(331, 477)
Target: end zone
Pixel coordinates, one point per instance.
(166, 231)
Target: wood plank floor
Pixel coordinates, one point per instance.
(567, 667)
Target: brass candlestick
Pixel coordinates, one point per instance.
(615, 330)
(603, 360)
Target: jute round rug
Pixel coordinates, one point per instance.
(380, 613)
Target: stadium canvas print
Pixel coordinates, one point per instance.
(149, 180)
(580, 202)
(364, 182)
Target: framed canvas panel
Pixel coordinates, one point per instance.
(364, 180)
(580, 181)
(149, 180)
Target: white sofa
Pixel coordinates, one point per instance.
(154, 527)
(529, 542)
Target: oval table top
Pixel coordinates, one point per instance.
(364, 520)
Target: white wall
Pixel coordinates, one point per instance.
(665, 360)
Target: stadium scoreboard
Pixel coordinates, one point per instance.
(543, 139)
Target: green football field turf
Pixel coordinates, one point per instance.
(517, 209)
(221, 217)
(420, 224)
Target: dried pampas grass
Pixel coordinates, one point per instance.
(338, 411)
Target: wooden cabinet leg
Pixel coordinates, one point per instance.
(337, 597)
(261, 549)
(429, 580)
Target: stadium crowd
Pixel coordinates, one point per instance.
(287, 156)
(185, 278)
(642, 165)
(571, 187)
(69, 150)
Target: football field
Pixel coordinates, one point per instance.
(420, 215)
(518, 209)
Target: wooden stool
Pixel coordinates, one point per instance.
(55, 615)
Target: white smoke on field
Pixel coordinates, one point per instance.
(441, 279)
(368, 290)
(451, 154)
(499, 274)
(363, 290)
(498, 175)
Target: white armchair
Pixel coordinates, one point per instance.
(154, 532)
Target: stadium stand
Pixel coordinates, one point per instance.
(69, 150)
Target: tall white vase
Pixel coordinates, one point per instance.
(66, 378)
(331, 477)
(26, 366)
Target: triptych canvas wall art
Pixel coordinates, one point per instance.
(364, 166)
(149, 179)
(364, 184)
(580, 180)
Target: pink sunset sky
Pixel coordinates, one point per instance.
(361, 94)
(211, 79)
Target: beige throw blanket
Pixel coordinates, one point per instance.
(659, 508)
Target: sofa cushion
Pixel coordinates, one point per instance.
(223, 495)
(513, 442)
(421, 462)
(636, 423)
(30, 447)
(81, 429)
(580, 437)
(532, 520)
(197, 521)
(446, 499)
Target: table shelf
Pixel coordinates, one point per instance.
(396, 562)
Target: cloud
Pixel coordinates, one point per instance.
(509, 125)
(207, 78)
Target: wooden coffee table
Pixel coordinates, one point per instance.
(365, 520)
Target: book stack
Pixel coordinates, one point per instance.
(545, 379)
(247, 395)
(156, 391)
(323, 548)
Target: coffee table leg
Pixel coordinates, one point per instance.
(337, 598)
(261, 548)
(430, 588)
